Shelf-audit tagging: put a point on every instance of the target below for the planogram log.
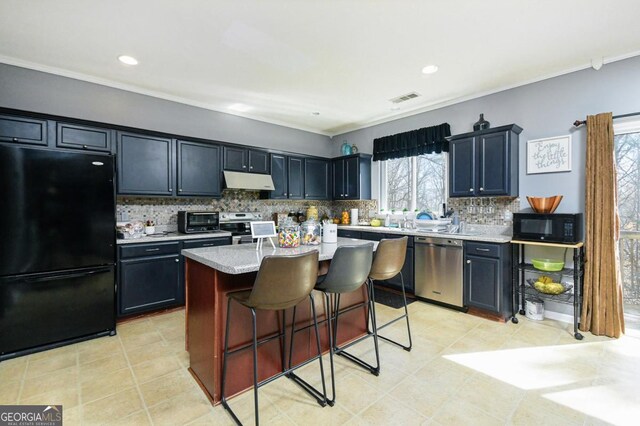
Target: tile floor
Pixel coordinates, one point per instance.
(462, 370)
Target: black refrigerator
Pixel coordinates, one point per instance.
(57, 248)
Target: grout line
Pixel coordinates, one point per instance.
(135, 381)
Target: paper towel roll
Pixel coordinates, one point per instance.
(354, 216)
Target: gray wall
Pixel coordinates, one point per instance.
(544, 109)
(30, 90)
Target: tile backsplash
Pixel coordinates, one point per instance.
(485, 210)
(164, 211)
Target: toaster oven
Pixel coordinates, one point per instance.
(191, 222)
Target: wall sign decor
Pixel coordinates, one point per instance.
(549, 155)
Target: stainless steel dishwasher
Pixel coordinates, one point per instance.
(438, 264)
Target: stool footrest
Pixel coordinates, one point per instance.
(374, 370)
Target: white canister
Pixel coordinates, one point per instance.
(354, 216)
(534, 309)
(330, 233)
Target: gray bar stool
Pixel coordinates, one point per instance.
(348, 271)
(387, 263)
(282, 282)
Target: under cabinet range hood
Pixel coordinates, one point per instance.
(250, 181)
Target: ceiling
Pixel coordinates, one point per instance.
(343, 59)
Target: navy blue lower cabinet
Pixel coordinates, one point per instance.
(487, 278)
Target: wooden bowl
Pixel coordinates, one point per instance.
(544, 204)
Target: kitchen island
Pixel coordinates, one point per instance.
(213, 272)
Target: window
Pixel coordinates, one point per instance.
(413, 183)
(627, 155)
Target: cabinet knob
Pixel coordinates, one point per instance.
(244, 167)
(481, 189)
(250, 167)
(15, 139)
(342, 195)
(84, 147)
(170, 189)
(177, 260)
(470, 189)
(468, 261)
(306, 195)
(285, 194)
(180, 190)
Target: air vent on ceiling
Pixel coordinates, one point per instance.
(404, 98)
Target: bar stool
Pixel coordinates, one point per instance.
(387, 263)
(348, 271)
(282, 282)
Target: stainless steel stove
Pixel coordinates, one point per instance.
(239, 224)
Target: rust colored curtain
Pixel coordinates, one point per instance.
(602, 312)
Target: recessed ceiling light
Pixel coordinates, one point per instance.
(429, 69)
(129, 60)
(240, 107)
(315, 113)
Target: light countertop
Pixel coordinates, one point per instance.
(243, 258)
(173, 236)
(473, 235)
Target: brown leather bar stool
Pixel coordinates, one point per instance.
(282, 282)
(348, 271)
(387, 263)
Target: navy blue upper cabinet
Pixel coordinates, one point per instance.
(279, 174)
(240, 159)
(484, 163)
(145, 165)
(295, 178)
(352, 177)
(83, 137)
(25, 130)
(199, 171)
(316, 179)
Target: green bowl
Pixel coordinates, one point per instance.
(550, 265)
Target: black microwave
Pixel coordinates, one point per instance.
(195, 222)
(552, 228)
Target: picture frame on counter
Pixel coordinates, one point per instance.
(549, 155)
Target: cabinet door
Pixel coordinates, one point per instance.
(407, 274)
(295, 179)
(279, 175)
(149, 283)
(198, 169)
(482, 282)
(338, 177)
(462, 167)
(352, 178)
(316, 179)
(23, 130)
(145, 165)
(258, 161)
(210, 242)
(346, 233)
(83, 137)
(494, 164)
(235, 159)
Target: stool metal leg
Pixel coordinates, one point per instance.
(327, 298)
(255, 365)
(341, 350)
(224, 366)
(405, 315)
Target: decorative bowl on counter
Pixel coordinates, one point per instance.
(375, 222)
(544, 204)
(550, 265)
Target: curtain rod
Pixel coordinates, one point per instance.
(579, 123)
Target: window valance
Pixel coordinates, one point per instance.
(415, 142)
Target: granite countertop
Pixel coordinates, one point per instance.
(172, 236)
(243, 258)
(494, 234)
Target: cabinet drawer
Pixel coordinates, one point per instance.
(138, 250)
(23, 130)
(83, 137)
(483, 249)
(349, 234)
(210, 242)
(372, 236)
